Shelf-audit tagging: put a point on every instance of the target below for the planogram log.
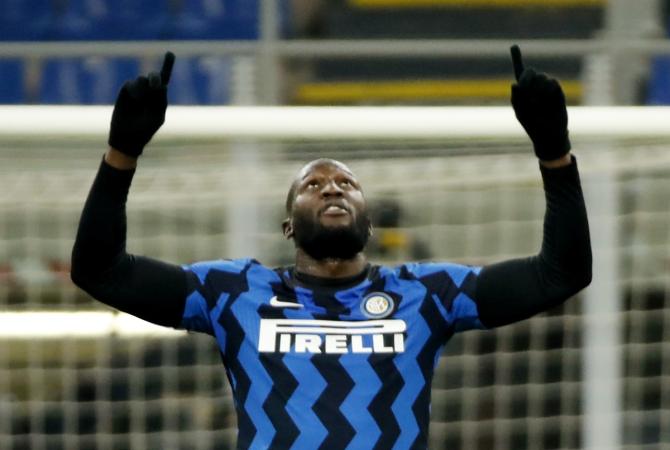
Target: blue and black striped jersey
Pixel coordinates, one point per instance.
(331, 367)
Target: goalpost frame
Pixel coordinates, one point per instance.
(602, 390)
(295, 122)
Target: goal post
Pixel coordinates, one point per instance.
(333, 123)
(444, 183)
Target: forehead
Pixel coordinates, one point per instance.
(324, 167)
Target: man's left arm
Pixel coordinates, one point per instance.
(517, 289)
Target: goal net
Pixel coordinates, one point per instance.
(457, 184)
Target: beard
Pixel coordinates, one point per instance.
(335, 242)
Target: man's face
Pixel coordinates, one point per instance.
(328, 217)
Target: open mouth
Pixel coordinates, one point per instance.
(334, 210)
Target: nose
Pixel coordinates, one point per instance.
(331, 189)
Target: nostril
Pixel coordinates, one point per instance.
(331, 190)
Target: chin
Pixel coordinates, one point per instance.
(326, 237)
(333, 242)
(336, 222)
(336, 226)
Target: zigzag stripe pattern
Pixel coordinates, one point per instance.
(338, 385)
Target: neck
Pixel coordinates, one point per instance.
(329, 267)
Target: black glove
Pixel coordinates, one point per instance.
(539, 105)
(140, 110)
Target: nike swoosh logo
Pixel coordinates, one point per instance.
(274, 301)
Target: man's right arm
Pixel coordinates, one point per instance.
(144, 287)
(149, 289)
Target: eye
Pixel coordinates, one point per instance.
(312, 184)
(346, 182)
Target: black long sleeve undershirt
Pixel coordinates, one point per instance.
(517, 289)
(144, 287)
(506, 292)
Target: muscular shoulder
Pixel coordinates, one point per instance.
(438, 275)
(228, 271)
(423, 269)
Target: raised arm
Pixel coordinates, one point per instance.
(514, 290)
(149, 289)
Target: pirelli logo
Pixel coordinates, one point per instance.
(331, 336)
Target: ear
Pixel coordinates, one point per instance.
(287, 227)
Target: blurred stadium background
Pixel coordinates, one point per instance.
(592, 374)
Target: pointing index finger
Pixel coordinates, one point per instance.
(517, 62)
(166, 70)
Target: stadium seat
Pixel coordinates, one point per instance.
(139, 20)
(217, 19)
(203, 81)
(12, 86)
(113, 20)
(25, 20)
(658, 92)
(91, 80)
(76, 19)
(449, 80)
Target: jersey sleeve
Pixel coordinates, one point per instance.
(209, 285)
(452, 288)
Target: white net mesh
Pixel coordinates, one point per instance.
(519, 387)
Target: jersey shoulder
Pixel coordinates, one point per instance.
(202, 268)
(452, 286)
(445, 279)
(457, 272)
(224, 275)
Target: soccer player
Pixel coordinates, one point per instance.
(333, 351)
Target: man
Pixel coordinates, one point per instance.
(332, 352)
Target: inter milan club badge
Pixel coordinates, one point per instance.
(377, 305)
